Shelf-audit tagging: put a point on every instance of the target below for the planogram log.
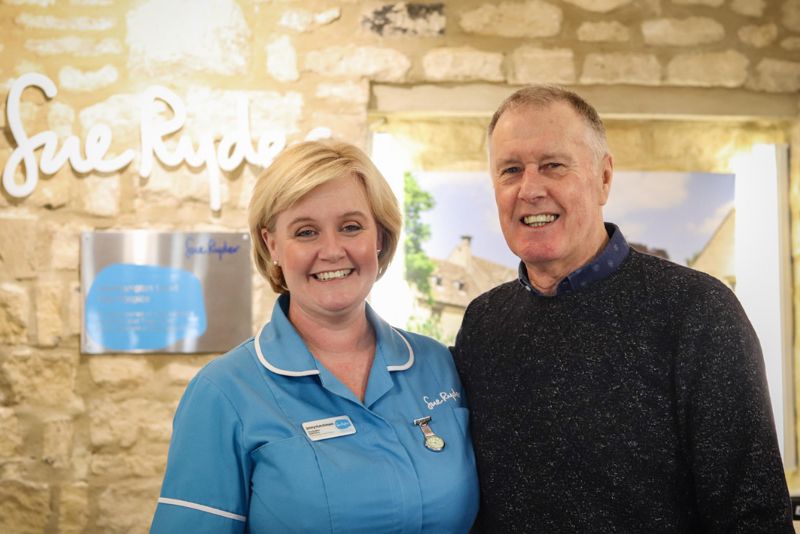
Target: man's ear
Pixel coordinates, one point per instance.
(607, 176)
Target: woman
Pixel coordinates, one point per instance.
(329, 420)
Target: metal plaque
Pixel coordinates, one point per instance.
(147, 291)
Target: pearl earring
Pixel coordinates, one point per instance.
(275, 263)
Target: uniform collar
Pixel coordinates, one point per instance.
(281, 349)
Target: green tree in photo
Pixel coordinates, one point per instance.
(419, 266)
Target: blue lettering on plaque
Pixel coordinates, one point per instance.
(144, 307)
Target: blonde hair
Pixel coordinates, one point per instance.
(300, 169)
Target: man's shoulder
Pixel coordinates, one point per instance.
(498, 293)
(657, 273)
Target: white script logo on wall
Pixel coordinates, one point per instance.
(232, 149)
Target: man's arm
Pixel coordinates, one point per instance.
(726, 419)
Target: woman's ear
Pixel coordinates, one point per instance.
(269, 240)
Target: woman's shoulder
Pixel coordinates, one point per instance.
(428, 351)
(237, 362)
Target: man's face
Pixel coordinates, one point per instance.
(550, 187)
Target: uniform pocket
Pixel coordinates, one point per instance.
(287, 491)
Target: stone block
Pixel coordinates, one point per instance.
(790, 10)
(74, 308)
(599, 6)
(45, 378)
(19, 236)
(65, 249)
(711, 3)
(689, 31)
(24, 507)
(38, 3)
(57, 442)
(622, 68)
(463, 64)
(791, 43)
(374, 63)
(49, 294)
(74, 79)
(98, 195)
(214, 39)
(710, 69)
(10, 437)
(282, 59)
(541, 65)
(776, 76)
(48, 22)
(180, 374)
(603, 32)
(123, 423)
(73, 508)
(302, 20)
(350, 127)
(749, 8)
(127, 507)
(15, 309)
(74, 46)
(411, 19)
(758, 36)
(533, 18)
(120, 371)
(348, 92)
(121, 113)
(126, 466)
(60, 119)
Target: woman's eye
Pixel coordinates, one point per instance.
(352, 227)
(305, 232)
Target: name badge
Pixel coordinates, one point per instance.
(332, 427)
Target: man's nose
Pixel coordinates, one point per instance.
(533, 185)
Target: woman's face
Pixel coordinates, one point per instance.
(327, 246)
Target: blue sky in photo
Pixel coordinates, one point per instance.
(675, 211)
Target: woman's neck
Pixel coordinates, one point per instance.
(344, 345)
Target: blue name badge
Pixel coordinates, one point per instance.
(144, 307)
(332, 427)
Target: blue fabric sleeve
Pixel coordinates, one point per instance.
(206, 485)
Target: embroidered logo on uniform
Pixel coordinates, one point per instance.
(443, 397)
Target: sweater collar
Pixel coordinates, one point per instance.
(601, 267)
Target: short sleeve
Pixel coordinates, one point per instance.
(206, 485)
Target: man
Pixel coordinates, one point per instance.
(610, 391)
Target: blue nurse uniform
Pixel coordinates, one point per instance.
(266, 439)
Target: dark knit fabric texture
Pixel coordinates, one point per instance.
(638, 404)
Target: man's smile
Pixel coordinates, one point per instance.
(539, 220)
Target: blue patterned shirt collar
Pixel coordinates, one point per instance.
(602, 266)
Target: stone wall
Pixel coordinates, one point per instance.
(83, 438)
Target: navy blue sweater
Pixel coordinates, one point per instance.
(638, 404)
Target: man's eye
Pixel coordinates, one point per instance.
(553, 165)
(510, 170)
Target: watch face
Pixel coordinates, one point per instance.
(434, 443)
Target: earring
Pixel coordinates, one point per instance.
(275, 263)
(379, 252)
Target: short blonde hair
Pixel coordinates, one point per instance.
(300, 169)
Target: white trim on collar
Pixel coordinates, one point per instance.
(410, 361)
(311, 372)
(271, 367)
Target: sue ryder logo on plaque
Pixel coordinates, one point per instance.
(178, 292)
